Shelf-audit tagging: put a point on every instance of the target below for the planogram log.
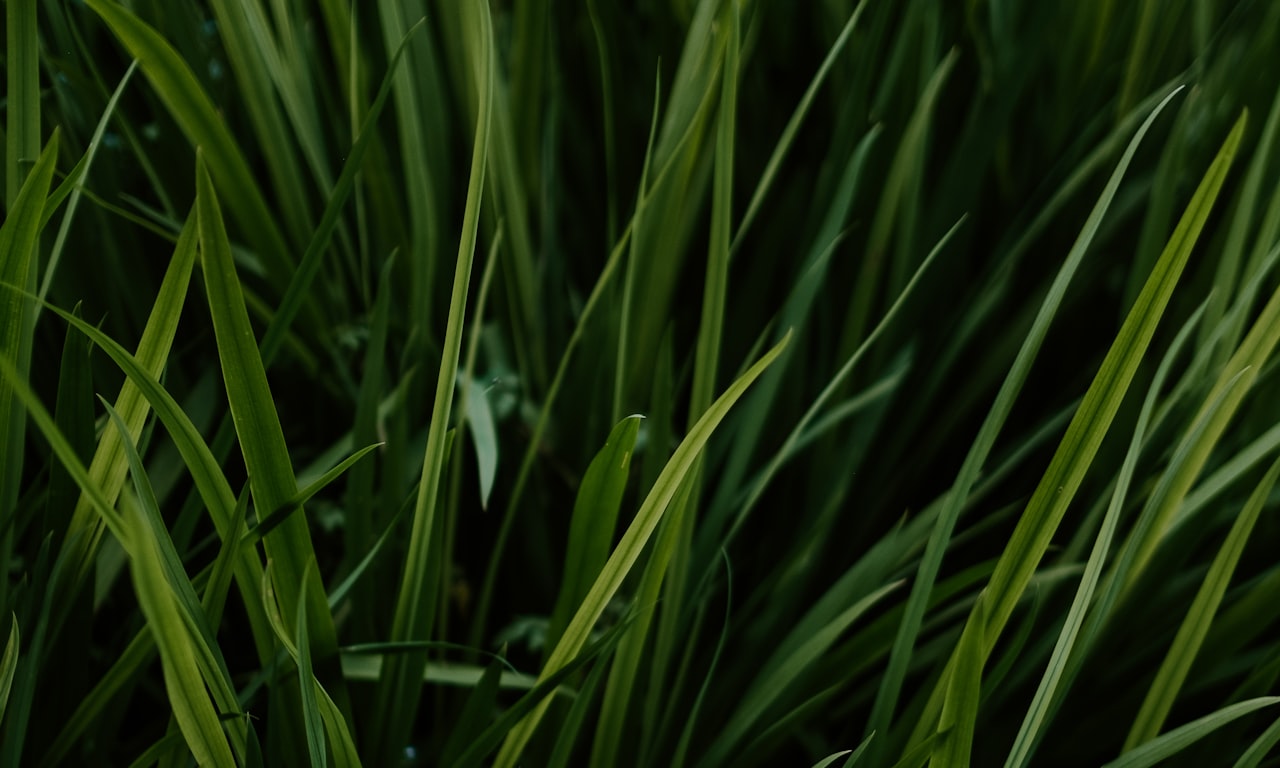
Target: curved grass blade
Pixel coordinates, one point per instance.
(633, 541)
(1038, 713)
(278, 516)
(883, 710)
(311, 717)
(1253, 756)
(1173, 742)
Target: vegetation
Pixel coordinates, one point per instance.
(684, 383)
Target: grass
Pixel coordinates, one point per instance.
(690, 383)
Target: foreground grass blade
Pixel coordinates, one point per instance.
(415, 610)
(22, 67)
(1173, 742)
(886, 701)
(1085, 433)
(261, 438)
(633, 541)
(1186, 644)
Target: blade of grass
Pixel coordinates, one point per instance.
(633, 541)
(189, 104)
(9, 663)
(1084, 435)
(398, 693)
(1173, 742)
(1038, 713)
(1173, 671)
(883, 710)
(22, 67)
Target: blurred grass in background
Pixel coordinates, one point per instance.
(682, 383)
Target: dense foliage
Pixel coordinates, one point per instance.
(667, 383)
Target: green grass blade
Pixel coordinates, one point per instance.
(1173, 742)
(399, 692)
(832, 758)
(18, 242)
(1048, 690)
(311, 717)
(595, 516)
(9, 663)
(954, 746)
(186, 100)
(1258, 750)
(191, 704)
(261, 437)
(272, 520)
(779, 671)
(1163, 691)
(22, 68)
(633, 541)
(883, 711)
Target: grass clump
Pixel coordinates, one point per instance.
(693, 383)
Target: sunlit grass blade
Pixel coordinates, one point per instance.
(959, 716)
(1066, 471)
(1173, 742)
(1048, 690)
(1163, 691)
(415, 610)
(192, 706)
(883, 711)
(633, 542)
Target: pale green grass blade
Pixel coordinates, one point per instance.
(831, 759)
(22, 112)
(595, 515)
(1173, 671)
(201, 637)
(398, 694)
(1037, 714)
(9, 664)
(258, 427)
(1173, 742)
(633, 542)
(959, 716)
(859, 752)
(887, 696)
(484, 435)
(1258, 750)
(195, 112)
(192, 707)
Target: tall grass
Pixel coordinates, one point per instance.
(683, 383)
